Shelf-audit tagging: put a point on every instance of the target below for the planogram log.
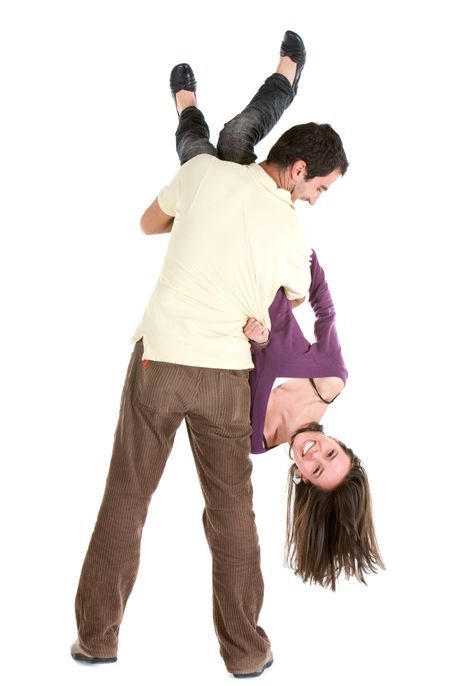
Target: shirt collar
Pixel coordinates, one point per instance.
(265, 180)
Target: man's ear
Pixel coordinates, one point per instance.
(298, 168)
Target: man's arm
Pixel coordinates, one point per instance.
(154, 220)
(297, 302)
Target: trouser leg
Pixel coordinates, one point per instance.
(240, 135)
(142, 443)
(219, 432)
(192, 135)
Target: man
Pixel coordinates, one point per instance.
(235, 239)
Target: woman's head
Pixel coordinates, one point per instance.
(321, 460)
(330, 530)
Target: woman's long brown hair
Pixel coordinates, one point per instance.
(331, 532)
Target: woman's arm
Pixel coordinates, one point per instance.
(327, 341)
(322, 304)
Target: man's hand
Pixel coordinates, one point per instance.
(255, 331)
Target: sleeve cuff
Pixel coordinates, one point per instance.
(256, 347)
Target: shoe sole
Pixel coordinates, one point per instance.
(80, 657)
(253, 674)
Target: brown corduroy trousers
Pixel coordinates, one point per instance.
(215, 405)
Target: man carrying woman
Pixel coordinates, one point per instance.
(235, 240)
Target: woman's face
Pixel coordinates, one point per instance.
(320, 459)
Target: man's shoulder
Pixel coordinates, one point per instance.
(202, 161)
(205, 163)
(198, 160)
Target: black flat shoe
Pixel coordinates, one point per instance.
(182, 79)
(293, 47)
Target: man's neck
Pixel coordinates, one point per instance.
(280, 176)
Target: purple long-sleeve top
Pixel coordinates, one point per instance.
(289, 354)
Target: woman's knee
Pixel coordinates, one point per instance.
(236, 140)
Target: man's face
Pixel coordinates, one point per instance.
(311, 189)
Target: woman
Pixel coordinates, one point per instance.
(329, 525)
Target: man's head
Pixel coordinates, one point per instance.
(309, 158)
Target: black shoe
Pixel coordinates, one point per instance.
(182, 78)
(293, 47)
(253, 674)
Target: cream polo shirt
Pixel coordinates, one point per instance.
(236, 238)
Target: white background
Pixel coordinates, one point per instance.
(86, 143)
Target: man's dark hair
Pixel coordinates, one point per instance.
(318, 145)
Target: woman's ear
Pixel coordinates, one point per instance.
(300, 476)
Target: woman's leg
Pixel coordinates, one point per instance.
(239, 136)
(192, 134)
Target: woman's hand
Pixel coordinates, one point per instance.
(256, 332)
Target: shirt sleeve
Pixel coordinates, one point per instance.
(168, 196)
(298, 266)
(257, 347)
(298, 284)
